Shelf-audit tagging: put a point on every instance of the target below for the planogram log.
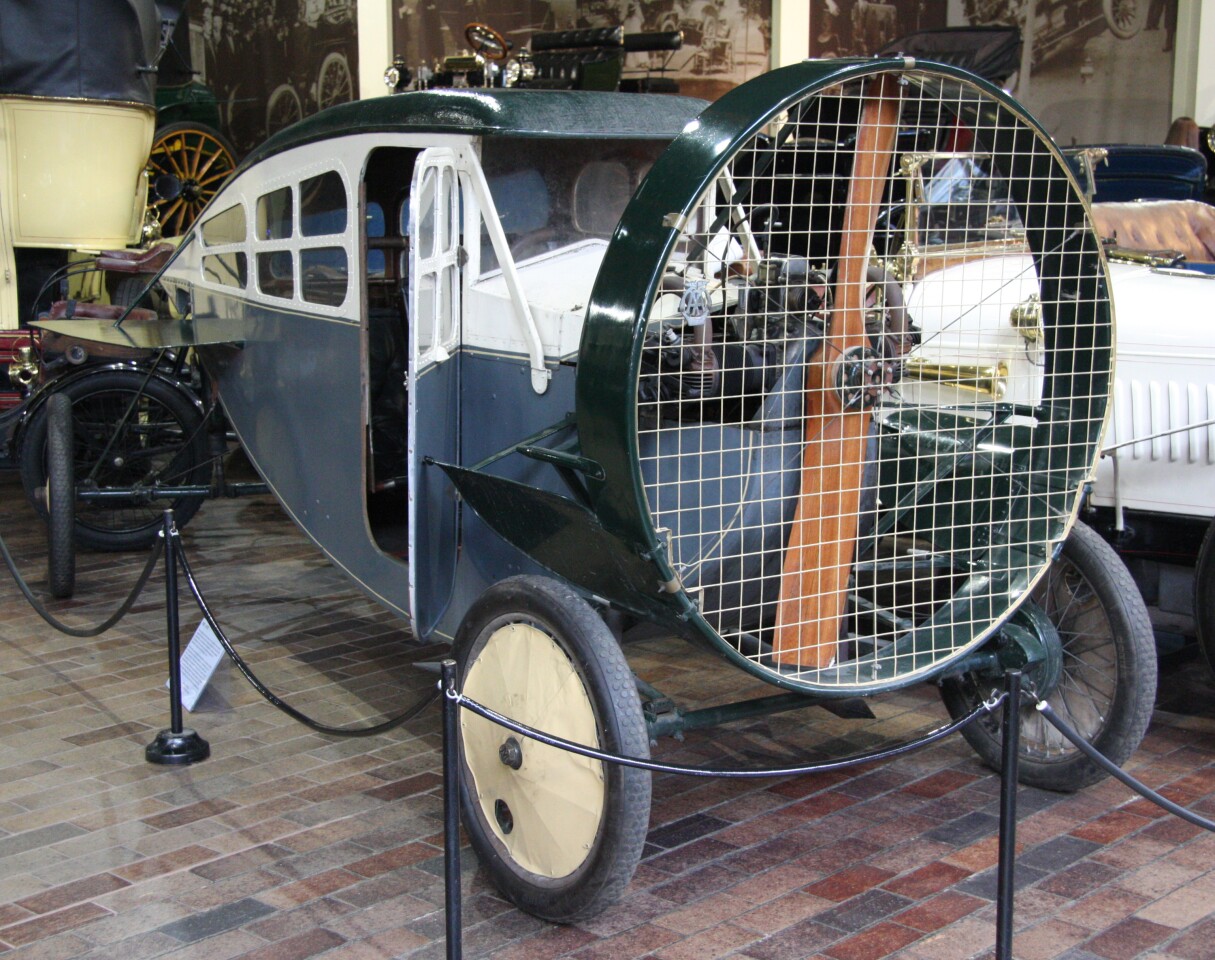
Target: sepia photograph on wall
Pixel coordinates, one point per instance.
(1099, 71)
(1096, 71)
(725, 42)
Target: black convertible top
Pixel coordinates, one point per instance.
(994, 53)
(91, 49)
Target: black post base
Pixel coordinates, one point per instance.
(176, 748)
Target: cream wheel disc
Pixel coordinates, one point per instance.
(543, 804)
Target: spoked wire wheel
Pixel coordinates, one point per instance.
(199, 159)
(129, 433)
(560, 834)
(1125, 18)
(284, 109)
(1107, 683)
(333, 84)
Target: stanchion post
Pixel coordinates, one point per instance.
(1006, 870)
(178, 744)
(451, 810)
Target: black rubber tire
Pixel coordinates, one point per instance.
(163, 442)
(60, 498)
(127, 289)
(1204, 596)
(1108, 684)
(613, 835)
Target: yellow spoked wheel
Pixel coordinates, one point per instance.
(188, 164)
(559, 833)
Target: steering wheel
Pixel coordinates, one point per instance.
(487, 41)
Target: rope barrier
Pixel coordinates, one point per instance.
(549, 739)
(1118, 773)
(50, 618)
(390, 724)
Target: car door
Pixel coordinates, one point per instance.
(434, 306)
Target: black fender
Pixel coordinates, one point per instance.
(37, 400)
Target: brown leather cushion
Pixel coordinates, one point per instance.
(1185, 226)
(71, 309)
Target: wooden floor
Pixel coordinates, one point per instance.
(286, 844)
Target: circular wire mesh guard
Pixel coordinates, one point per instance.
(873, 379)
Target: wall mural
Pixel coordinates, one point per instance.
(725, 41)
(272, 62)
(1101, 69)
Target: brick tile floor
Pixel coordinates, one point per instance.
(288, 845)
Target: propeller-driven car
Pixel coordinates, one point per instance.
(534, 367)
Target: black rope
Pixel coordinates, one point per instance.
(940, 733)
(124, 607)
(390, 724)
(1118, 773)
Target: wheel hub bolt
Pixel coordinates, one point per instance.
(511, 754)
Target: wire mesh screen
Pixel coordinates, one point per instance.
(873, 380)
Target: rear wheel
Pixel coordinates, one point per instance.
(1108, 682)
(128, 432)
(60, 498)
(560, 834)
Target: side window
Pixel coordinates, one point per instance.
(295, 248)
(446, 240)
(228, 268)
(435, 254)
(227, 226)
(323, 205)
(274, 215)
(324, 273)
(275, 268)
(275, 277)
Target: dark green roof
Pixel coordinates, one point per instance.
(528, 113)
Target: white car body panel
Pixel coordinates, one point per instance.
(1164, 374)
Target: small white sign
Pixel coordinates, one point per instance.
(198, 662)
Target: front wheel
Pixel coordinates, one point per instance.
(560, 834)
(1108, 681)
(60, 498)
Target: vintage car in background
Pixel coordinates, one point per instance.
(56, 197)
(1061, 25)
(79, 136)
(1153, 493)
(75, 134)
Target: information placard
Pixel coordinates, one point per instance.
(198, 662)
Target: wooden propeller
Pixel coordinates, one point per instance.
(822, 542)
